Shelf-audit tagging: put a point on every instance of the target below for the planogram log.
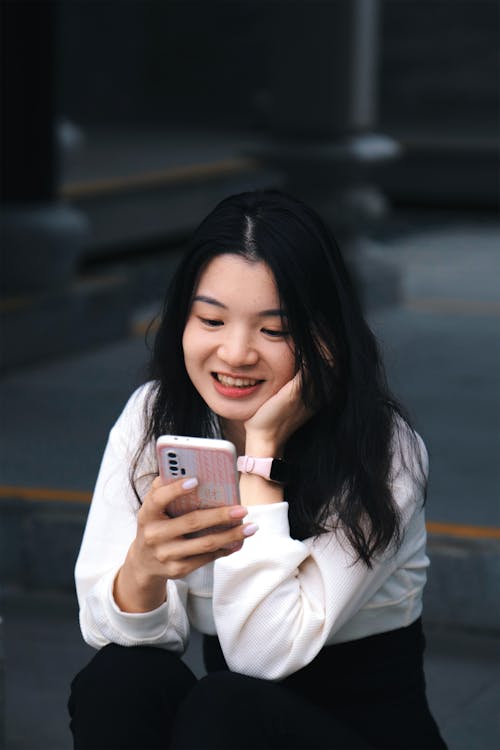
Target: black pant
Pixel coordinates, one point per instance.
(364, 694)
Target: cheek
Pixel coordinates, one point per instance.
(285, 365)
(189, 352)
(185, 345)
(185, 335)
(189, 344)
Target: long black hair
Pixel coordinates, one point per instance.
(341, 458)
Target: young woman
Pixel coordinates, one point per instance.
(311, 605)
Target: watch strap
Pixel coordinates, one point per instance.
(272, 469)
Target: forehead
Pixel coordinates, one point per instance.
(231, 277)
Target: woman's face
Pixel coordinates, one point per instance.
(236, 346)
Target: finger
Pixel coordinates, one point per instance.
(157, 482)
(157, 531)
(223, 517)
(300, 380)
(297, 382)
(155, 508)
(208, 546)
(161, 495)
(182, 567)
(293, 388)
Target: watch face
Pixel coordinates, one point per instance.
(279, 471)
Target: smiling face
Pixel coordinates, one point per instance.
(236, 347)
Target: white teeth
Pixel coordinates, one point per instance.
(238, 382)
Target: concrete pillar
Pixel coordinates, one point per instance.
(323, 114)
(40, 235)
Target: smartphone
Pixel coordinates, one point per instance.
(212, 461)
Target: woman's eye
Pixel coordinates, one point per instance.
(275, 334)
(210, 322)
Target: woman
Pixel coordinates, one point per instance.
(311, 605)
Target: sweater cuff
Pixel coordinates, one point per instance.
(143, 626)
(272, 519)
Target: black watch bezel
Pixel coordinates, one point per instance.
(279, 471)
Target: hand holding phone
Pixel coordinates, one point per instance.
(169, 549)
(213, 463)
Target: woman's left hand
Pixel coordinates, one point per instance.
(276, 420)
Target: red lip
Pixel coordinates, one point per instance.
(232, 391)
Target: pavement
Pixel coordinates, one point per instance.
(441, 343)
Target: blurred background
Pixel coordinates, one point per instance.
(123, 123)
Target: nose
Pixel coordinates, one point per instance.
(237, 350)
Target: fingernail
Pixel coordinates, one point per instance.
(238, 511)
(188, 484)
(250, 529)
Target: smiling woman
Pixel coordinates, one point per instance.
(310, 606)
(236, 351)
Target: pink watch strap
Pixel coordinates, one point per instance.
(252, 465)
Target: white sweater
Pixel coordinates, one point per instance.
(275, 603)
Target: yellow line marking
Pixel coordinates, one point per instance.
(43, 493)
(181, 173)
(463, 531)
(452, 306)
(48, 494)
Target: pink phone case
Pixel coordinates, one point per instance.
(211, 461)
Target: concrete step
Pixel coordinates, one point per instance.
(137, 231)
(96, 308)
(40, 539)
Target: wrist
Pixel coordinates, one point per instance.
(255, 490)
(263, 447)
(135, 590)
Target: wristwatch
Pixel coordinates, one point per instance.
(273, 469)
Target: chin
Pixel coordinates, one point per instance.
(235, 413)
(235, 416)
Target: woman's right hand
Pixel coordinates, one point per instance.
(161, 550)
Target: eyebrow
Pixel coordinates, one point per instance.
(212, 301)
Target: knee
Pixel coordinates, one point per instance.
(117, 664)
(127, 697)
(125, 673)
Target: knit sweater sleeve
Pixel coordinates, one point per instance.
(109, 531)
(278, 601)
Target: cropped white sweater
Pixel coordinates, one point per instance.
(275, 603)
